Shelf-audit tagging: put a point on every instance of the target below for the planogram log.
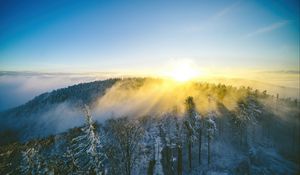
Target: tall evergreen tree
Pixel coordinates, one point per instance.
(32, 161)
(87, 148)
(210, 132)
(193, 125)
(189, 124)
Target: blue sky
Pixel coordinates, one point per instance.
(75, 36)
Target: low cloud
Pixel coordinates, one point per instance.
(17, 88)
(155, 97)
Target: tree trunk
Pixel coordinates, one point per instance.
(200, 146)
(128, 161)
(208, 150)
(189, 144)
(150, 170)
(190, 153)
(167, 160)
(179, 161)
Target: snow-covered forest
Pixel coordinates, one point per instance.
(149, 126)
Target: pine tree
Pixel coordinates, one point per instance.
(32, 162)
(179, 147)
(69, 162)
(210, 132)
(168, 136)
(87, 148)
(191, 127)
(198, 128)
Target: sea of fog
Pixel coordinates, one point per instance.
(17, 88)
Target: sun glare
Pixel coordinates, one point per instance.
(183, 72)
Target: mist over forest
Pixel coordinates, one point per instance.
(152, 126)
(26, 85)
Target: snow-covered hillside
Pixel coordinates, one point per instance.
(153, 128)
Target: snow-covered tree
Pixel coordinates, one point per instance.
(158, 169)
(87, 155)
(70, 165)
(189, 124)
(179, 140)
(245, 122)
(149, 146)
(211, 128)
(193, 125)
(198, 129)
(169, 141)
(32, 162)
(124, 146)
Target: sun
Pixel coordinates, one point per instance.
(183, 72)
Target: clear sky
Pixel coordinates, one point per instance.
(143, 35)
